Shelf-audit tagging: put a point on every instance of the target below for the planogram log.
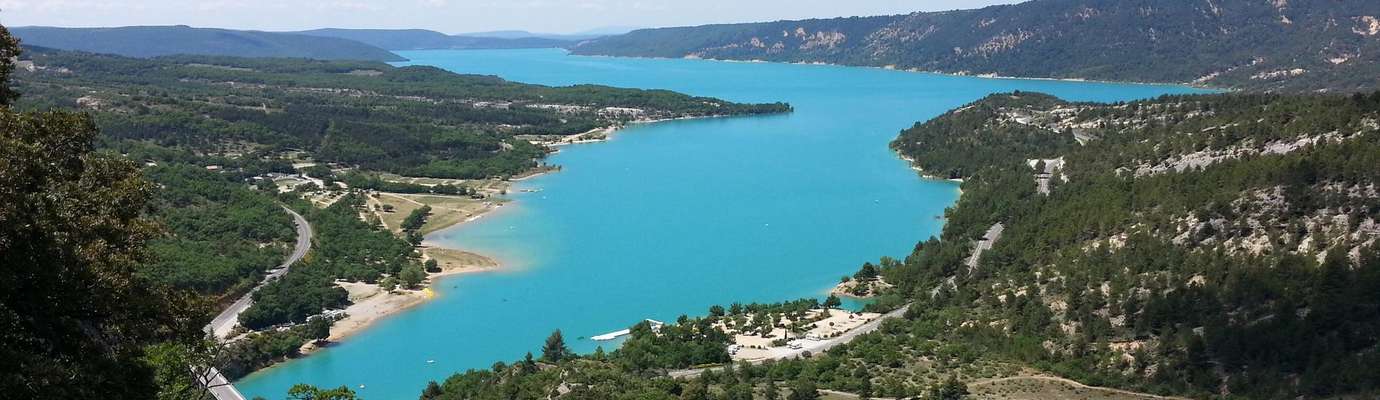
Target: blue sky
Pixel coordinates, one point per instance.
(450, 16)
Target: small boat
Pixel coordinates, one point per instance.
(430, 361)
(611, 335)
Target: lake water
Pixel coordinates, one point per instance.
(670, 218)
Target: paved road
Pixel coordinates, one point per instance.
(814, 347)
(221, 388)
(227, 319)
(991, 237)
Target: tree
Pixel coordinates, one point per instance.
(411, 276)
(432, 391)
(432, 266)
(738, 391)
(389, 284)
(9, 50)
(528, 365)
(867, 272)
(803, 389)
(179, 368)
(771, 392)
(309, 392)
(951, 389)
(832, 302)
(416, 219)
(554, 350)
(319, 328)
(75, 319)
(716, 310)
(697, 389)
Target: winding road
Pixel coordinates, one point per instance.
(221, 326)
(223, 323)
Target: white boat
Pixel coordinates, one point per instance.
(612, 335)
(656, 326)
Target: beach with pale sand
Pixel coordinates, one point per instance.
(370, 304)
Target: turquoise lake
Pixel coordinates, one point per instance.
(670, 218)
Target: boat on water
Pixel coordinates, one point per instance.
(656, 325)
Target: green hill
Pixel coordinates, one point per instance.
(420, 121)
(1217, 245)
(153, 41)
(1260, 45)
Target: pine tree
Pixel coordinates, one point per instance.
(951, 389)
(771, 392)
(803, 389)
(528, 365)
(554, 350)
(696, 390)
(432, 391)
(832, 302)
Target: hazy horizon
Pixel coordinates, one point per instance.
(448, 16)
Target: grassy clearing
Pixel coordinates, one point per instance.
(393, 208)
(455, 260)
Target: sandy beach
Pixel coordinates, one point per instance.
(371, 304)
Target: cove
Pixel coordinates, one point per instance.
(673, 217)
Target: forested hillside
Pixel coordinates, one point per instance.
(1209, 245)
(152, 41)
(1205, 246)
(417, 121)
(1299, 45)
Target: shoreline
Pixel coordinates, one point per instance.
(920, 71)
(370, 305)
(915, 167)
(372, 308)
(609, 131)
(373, 305)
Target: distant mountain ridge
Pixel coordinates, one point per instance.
(1278, 45)
(421, 39)
(153, 41)
(574, 37)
